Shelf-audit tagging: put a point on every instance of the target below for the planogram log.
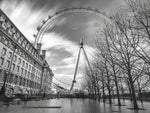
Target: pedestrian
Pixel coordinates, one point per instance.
(25, 99)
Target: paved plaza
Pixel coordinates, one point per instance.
(73, 106)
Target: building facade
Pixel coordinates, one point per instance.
(21, 64)
(46, 83)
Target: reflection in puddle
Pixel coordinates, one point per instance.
(73, 106)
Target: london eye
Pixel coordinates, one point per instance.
(51, 20)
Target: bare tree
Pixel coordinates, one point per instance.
(106, 53)
(119, 35)
(122, 52)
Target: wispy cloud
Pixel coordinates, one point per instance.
(59, 43)
(25, 18)
(62, 40)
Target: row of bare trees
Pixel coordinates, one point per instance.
(121, 62)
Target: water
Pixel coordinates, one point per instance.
(73, 106)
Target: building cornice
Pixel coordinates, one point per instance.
(24, 39)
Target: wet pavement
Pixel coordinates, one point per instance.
(73, 106)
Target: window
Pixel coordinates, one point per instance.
(15, 58)
(9, 54)
(16, 79)
(7, 64)
(4, 50)
(24, 81)
(26, 65)
(1, 61)
(20, 82)
(19, 61)
(28, 74)
(21, 70)
(28, 83)
(32, 76)
(33, 69)
(18, 68)
(6, 74)
(13, 66)
(25, 72)
(29, 67)
(11, 78)
(23, 63)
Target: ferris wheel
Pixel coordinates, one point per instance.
(51, 20)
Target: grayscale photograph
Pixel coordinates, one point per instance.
(74, 56)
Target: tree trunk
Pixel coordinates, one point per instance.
(122, 91)
(130, 92)
(133, 94)
(140, 92)
(117, 89)
(98, 91)
(103, 89)
(109, 94)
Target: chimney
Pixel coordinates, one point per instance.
(38, 47)
(44, 53)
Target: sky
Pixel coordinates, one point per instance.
(61, 40)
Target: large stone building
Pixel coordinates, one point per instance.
(23, 65)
